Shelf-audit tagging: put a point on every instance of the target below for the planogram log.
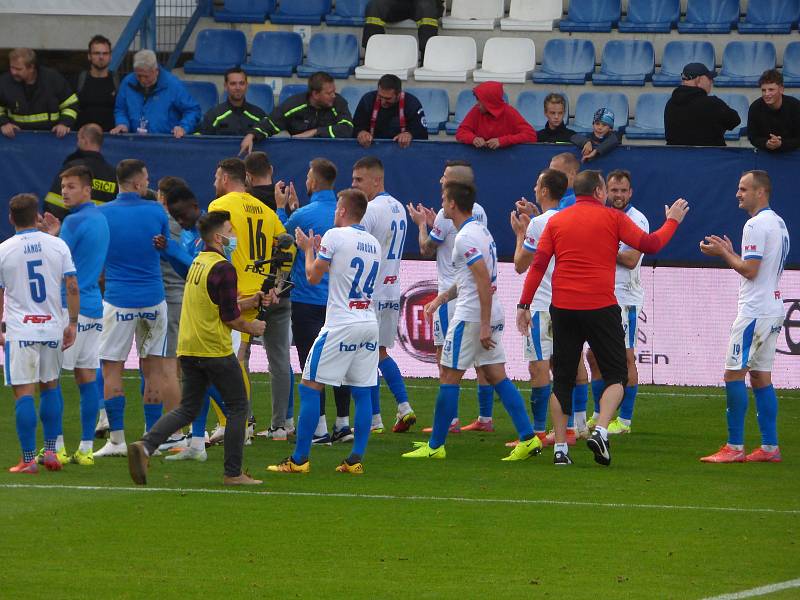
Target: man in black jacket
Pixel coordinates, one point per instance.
(389, 113)
(773, 121)
(97, 86)
(692, 117)
(235, 116)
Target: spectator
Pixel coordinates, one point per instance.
(493, 123)
(34, 97)
(602, 140)
(691, 116)
(773, 121)
(97, 87)
(151, 100)
(389, 113)
(236, 115)
(555, 132)
(259, 178)
(104, 182)
(425, 13)
(319, 112)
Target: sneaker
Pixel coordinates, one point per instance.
(525, 449)
(761, 455)
(455, 427)
(277, 434)
(61, 455)
(617, 427)
(217, 436)
(345, 467)
(179, 442)
(51, 462)
(241, 479)
(101, 430)
(249, 432)
(31, 468)
(601, 449)
(137, 462)
(478, 425)
(726, 454)
(321, 440)
(287, 465)
(423, 450)
(561, 458)
(404, 423)
(345, 434)
(572, 437)
(85, 459)
(189, 454)
(112, 449)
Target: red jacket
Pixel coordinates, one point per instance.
(501, 121)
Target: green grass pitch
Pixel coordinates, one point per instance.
(656, 524)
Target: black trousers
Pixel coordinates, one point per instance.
(380, 12)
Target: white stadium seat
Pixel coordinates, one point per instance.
(448, 59)
(507, 59)
(474, 14)
(532, 15)
(394, 54)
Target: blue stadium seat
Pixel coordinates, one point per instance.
(591, 15)
(275, 53)
(589, 102)
(436, 104)
(301, 12)
(649, 121)
(204, 92)
(710, 16)
(244, 11)
(464, 103)
(744, 62)
(651, 16)
(566, 61)
(741, 105)
(626, 62)
(770, 16)
(348, 13)
(678, 54)
(216, 51)
(260, 94)
(291, 90)
(334, 53)
(354, 93)
(531, 106)
(791, 65)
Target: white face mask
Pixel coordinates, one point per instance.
(229, 245)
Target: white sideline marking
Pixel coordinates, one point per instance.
(415, 498)
(759, 591)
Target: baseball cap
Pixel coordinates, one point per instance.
(604, 115)
(693, 70)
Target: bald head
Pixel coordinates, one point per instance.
(568, 164)
(90, 137)
(459, 172)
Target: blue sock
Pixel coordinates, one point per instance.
(571, 420)
(375, 398)
(580, 397)
(394, 380)
(485, 400)
(60, 429)
(214, 394)
(50, 413)
(199, 424)
(767, 414)
(141, 382)
(363, 419)
(540, 398)
(736, 392)
(445, 411)
(25, 412)
(515, 406)
(628, 400)
(306, 422)
(115, 411)
(90, 404)
(152, 413)
(598, 385)
(98, 375)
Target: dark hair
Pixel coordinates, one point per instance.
(620, 174)
(93, 133)
(324, 170)
(554, 99)
(371, 163)
(355, 201)
(390, 82)
(179, 193)
(99, 39)
(317, 80)
(760, 180)
(586, 182)
(463, 194)
(129, 168)
(211, 222)
(233, 168)
(771, 76)
(258, 164)
(82, 172)
(236, 69)
(555, 181)
(165, 184)
(24, 209)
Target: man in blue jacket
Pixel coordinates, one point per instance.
(150, 100)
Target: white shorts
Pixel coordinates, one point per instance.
(752, 343)
(120, 325)
(388, 314)
(32, 362)
(462, 347)
(441, 320)
(85, 352)
(538, 345)
(630, 324)
(344, 356)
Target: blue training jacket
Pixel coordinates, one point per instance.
(167, 105)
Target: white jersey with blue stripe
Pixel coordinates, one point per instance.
(386, 220)
(473, 242)
(443, 234)
(544, 294)
(628, 282)
(765, 238)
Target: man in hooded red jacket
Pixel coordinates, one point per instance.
(493, 123)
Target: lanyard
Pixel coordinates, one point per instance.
(376, 107)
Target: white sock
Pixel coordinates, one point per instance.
(454, 422)
(561, 447)
(739, 447)
(198, 443)
(117, 437)
(484, 419)
(59, 443)
(626, 422)
(85, 446)
(595, 415)
(603, 432)
(322, 426)
(580, 420)
(768, 448)
(342, 422)
(377, 421)
(101, 415)
(289, 423)
(403, 409)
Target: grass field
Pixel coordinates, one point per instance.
(656, 524)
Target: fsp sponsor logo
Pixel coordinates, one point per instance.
(36, 319)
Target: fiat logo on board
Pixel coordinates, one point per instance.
(414, 329)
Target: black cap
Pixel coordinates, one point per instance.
(693, 70)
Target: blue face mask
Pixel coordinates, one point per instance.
(229, 246)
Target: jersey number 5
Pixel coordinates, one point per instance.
(36, 281)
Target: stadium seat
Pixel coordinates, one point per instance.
(348, 13)
(395, 54)
(651, 16)
(448, 59)
(531, 106)
(275, 53)
(591, 15)
(334, 53)
(507, 59)
(436, 104)
(710, 16)
(791, 65)
(566, 61)
(216, 51)
(204, 92)
(532, 15)
(648, 124)
(474, 14)
(291, 90)
(770, 16)
(260, 94)
(464, 103)
(305, 12)
(589, 102)
(625, 62)
(244, 11)
(744, 62)
(678, 54)
(354, 93)
(741, 105)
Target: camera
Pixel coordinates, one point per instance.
(280, 259)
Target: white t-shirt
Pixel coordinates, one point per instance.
(32, 267)
(386, 220)
(544, 294)
(355, 257)
(444, 234)
(628, 283)
(765, 238)
(474, 242)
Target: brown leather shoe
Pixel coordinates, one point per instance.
(241, 479)
(137, 462)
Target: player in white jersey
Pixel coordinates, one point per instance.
(765, 246)
(33, 265)
(386, 220)
(474, 338)
(346, 350)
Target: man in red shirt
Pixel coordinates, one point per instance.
(585, 240)
(493, 123)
